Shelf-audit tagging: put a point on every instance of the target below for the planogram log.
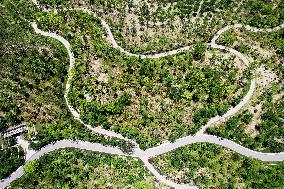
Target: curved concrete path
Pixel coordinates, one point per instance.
(164, 148)
(74, 112)
(95, 147)
(234, 110)
(167, 147)
(145, 155)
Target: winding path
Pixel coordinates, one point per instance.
(164, 148)
(95, 147)
(234, 110)
(142, 56)
(74, 112)
(144, 155)
(167, 147)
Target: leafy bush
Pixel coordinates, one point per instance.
(10, 159)
(212, 166)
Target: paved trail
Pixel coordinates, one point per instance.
(144, 155)
(74, 112)
(95, 147)
(167, 147)
(164, 148)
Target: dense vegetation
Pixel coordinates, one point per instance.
(33, 72)
(72, 168)
(156, 26)
(212, 166)
(54, 133)
(147, 100)
(130, 95)
(152, 77)
(24, 71)
(269, 129)
(11, 157)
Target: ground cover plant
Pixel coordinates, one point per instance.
(11, 157)
(212, 166)
(73, 168)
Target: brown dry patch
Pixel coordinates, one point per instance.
(203, 171)
(102, 94)
(187, 119)
(264, 53)
(41, 50)
(135, 102)
(277, 97)
(41, 115)
(155, 104)
(103, 77)
(208, 57)
(265, 77)
(95, 66)
(280, 140)
(250, 128)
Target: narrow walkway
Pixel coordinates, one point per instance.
(233, 110)
(144, 155)
(167, 147)
(164, 148)
(25, 145)
(180, 142)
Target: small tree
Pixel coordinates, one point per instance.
(199, 51)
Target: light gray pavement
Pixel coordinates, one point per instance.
(25, 145)
(183, 141)
(96, 147)
(164, 148)
(167, 147)
(59, 145)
